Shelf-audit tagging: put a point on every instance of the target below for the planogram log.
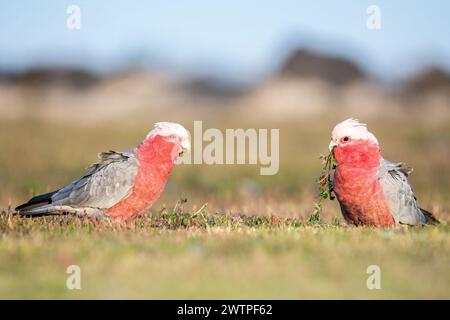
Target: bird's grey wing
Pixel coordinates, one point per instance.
(393, 178)
(106, 183)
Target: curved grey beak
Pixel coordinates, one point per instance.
(186, 146)
(332, 145)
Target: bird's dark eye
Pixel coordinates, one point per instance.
(346, 139)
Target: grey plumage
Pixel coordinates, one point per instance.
(393, 178)
(106, 183)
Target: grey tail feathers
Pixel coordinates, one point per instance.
(38, 205)
(431, 219)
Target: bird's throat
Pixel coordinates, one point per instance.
(358, 154)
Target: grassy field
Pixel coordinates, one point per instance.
(180, 256)
(252, 239)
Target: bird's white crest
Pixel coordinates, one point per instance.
(166, 129)
(353, 129)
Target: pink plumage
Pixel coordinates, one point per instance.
(155, 166)
(121, 185)
(357, 187)
(371, 190)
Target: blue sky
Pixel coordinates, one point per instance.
(236, 39)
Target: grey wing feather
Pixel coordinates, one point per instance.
(400, 196)
(106, 183)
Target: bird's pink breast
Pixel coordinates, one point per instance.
(358, 189)
(363, 198)
(154, 171)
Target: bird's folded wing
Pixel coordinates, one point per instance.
(106, 183)
(398, 192)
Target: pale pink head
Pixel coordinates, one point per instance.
(351, 141)
(348, 131)
(172, 134)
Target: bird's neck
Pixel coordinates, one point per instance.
(156, 151)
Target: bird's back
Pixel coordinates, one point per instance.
(402, 202)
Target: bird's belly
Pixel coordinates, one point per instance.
(135, 204)
(362, 200)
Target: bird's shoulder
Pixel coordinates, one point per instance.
(117, 158)
(397, 170)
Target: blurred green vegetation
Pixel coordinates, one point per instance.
(38, 157)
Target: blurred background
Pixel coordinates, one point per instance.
(79, 77)
(300, 66)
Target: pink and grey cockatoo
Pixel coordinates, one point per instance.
(371, 190)
(121, 185)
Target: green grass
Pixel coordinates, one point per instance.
(202, 255)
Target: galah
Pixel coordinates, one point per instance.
(371, 190)
(121, 185)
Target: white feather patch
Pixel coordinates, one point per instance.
(354, 129)
(166, 129)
